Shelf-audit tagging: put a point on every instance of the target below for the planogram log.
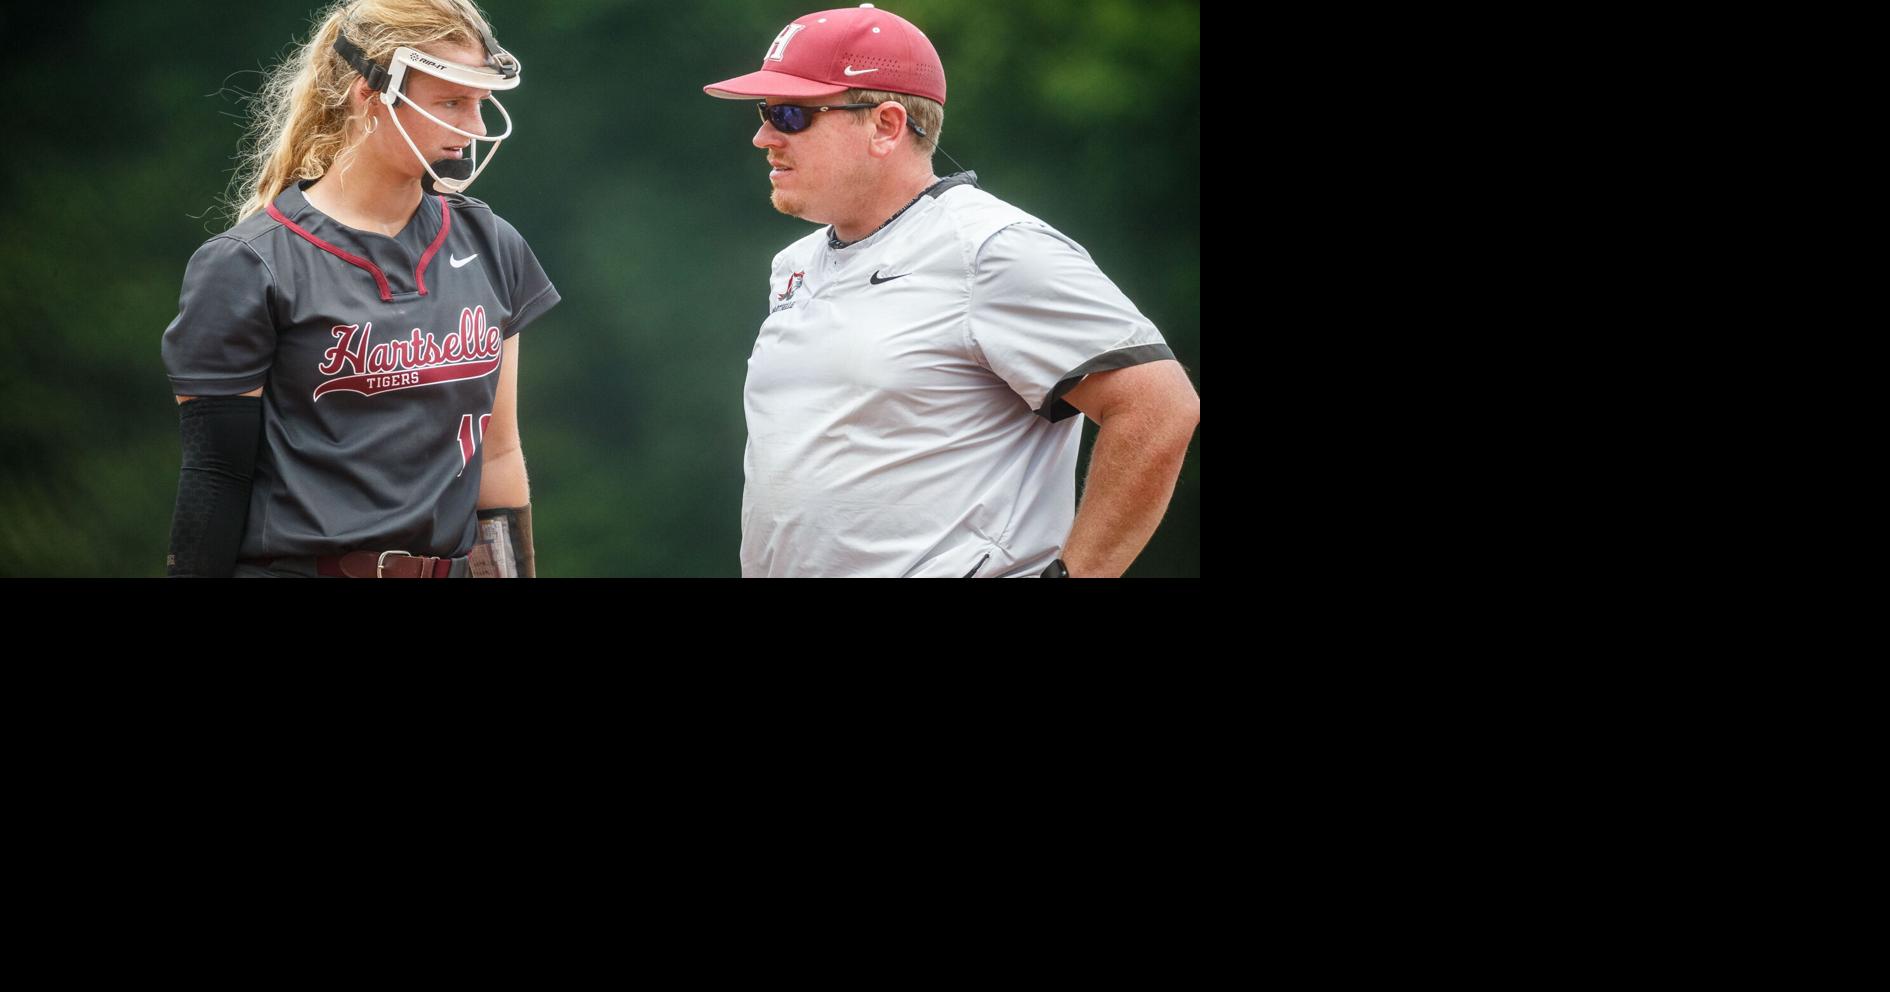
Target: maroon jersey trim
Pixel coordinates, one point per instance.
(446, 224)
(380, 279)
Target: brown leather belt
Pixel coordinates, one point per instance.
(383, 565)
(371, 565)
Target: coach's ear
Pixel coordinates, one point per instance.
(889, 128)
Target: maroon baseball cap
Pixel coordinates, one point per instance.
(850, 48)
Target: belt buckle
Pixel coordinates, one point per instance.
(380, 564)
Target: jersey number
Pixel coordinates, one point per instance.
(468, 441)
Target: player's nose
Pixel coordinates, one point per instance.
(767, 137)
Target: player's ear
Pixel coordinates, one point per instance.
(359, 93)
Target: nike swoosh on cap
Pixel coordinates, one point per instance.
(457, 261)
(849, 70)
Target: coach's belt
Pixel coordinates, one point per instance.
(383, 565)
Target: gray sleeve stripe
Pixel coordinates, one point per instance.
(1055, 409)
(545, 300)
(269, 296)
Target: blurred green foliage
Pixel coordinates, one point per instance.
(641, 196)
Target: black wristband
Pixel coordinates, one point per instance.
(1055, 570)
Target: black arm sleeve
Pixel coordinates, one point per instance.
(220, 435)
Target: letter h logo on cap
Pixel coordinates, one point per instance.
(778, 50)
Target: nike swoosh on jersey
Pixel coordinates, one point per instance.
(849, 70)
(457, 261)
(877, 280)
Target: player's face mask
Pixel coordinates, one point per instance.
(501, 72)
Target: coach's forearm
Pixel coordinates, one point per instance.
(502, 480)
(1132, 472)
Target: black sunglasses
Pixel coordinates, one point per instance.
(789, 118)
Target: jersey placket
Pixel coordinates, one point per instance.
(397, 275)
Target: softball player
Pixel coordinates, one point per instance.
(346, 356)
(912, 396)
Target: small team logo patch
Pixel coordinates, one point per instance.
(794, 282)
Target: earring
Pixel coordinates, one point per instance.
(372, 123)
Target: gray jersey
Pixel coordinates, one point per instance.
(379, 360)
(904, 396)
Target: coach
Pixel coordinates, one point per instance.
(912, 397)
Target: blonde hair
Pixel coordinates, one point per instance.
(928, 114)
(298, 127)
